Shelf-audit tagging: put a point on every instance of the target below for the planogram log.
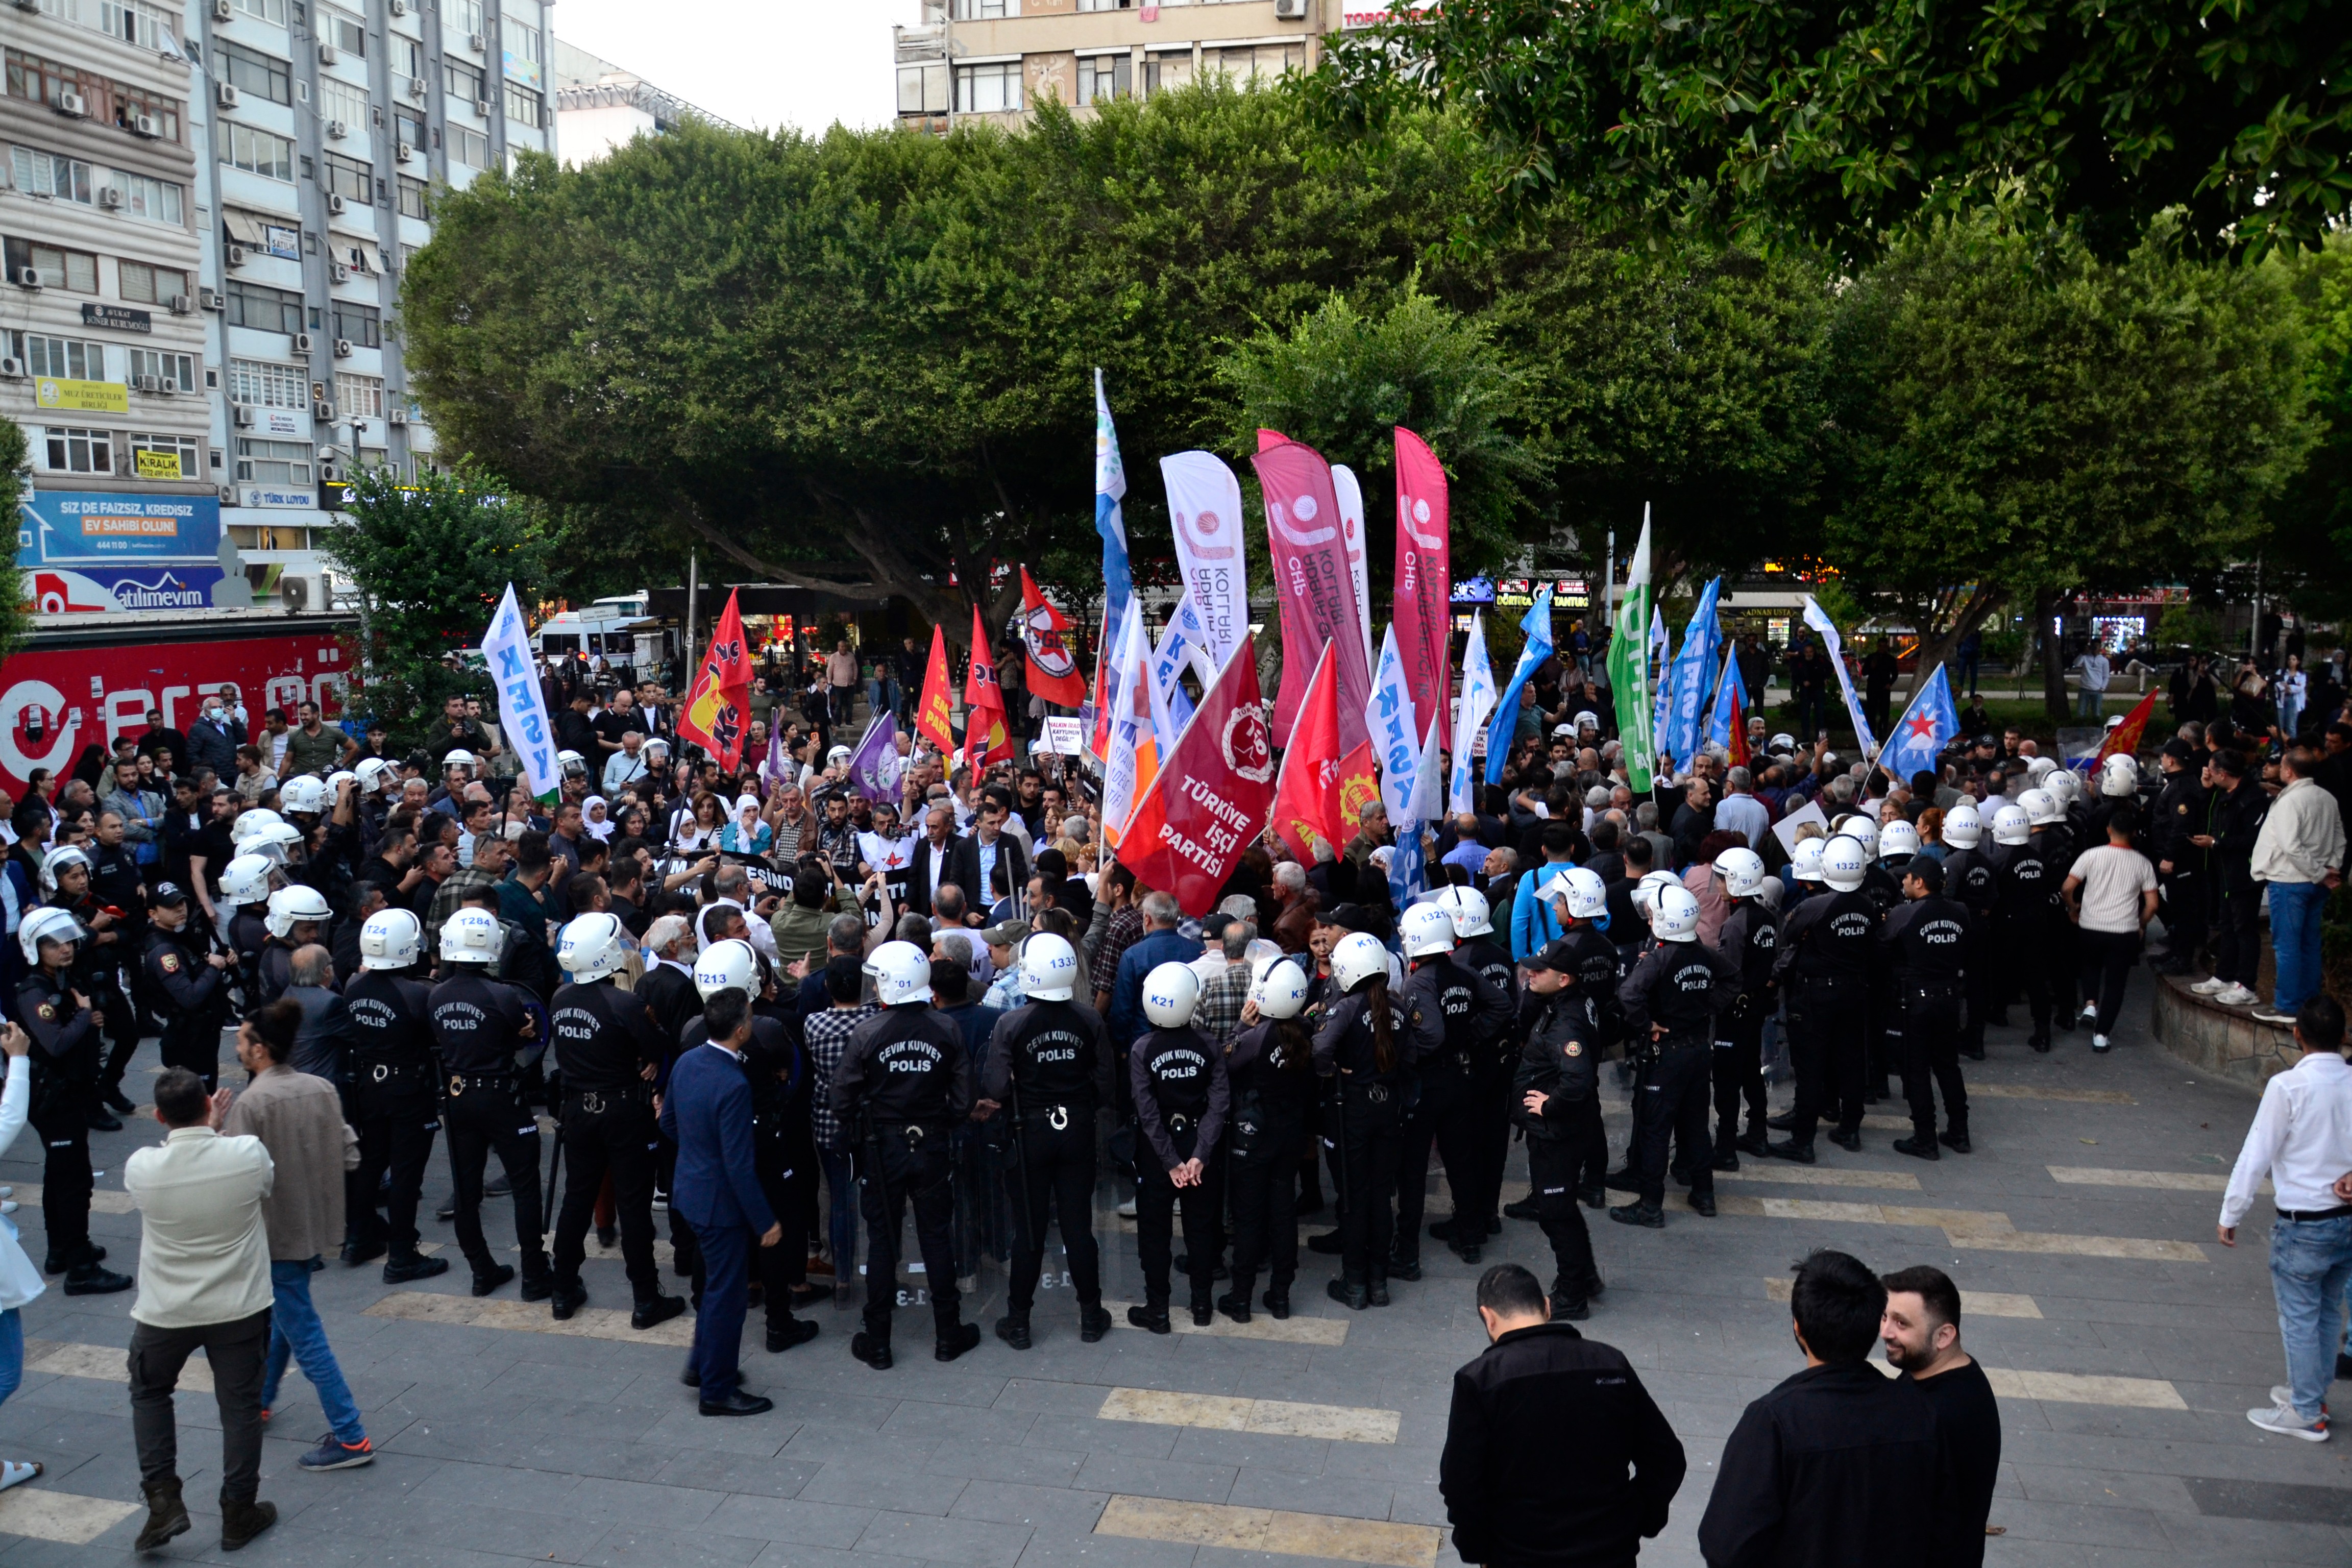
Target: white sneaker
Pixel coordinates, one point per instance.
(2100, 1043)
(1127, 1209)
(2212, 987)
(2236, 996)
(2090, 1011)
(2283, 1420)
(2282, 1398)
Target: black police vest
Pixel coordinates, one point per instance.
(1357, 1053)
(1931, 939)
(1177, 1063)
(388, 1020)
(1271, 1071)
(1683, 996)
(594, 1047)
(1053, 1057)
(909, 1072)
(1561, 1058)
(1837, 937)
(476, 1024)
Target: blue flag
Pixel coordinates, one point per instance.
(1691, 668)
(1537, 624)
(1731, 693)
(1110, 484)
(1925, 727)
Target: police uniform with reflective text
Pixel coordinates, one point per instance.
(1928, 943)
(1679, 988)
(1364, 1125)
(1751, 933)
(604, 1038)
(1824, 971)
(1270, 1078)
(2021, 928)
(1490, 1096)
(397, 1111)
(1444, 1110)
(1042, 1059)
(67, 1057)
(191, 994)
(1181, 1103)
(1970, 882)
(478, 1025)
(1561, 1060)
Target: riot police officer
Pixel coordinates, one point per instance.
(1969, 882)
(298, 917)
(190, 985)
(1927, 941)
(1269, 1076)
(1581, 901)
(1042, 1059)
(903, 1085)
(1559, 1067)
(1366, 1048)
(607, 1050)
(480, 1024)
(1491, 1073)
(1672, 1000)
(1750, 935)
(2022, 915)
(1824, 971)
(1177, 1076)
(65, 1055)
(244, 898)
(116, 889)
(395, 1106)
(1441, 1108)
(97, 970)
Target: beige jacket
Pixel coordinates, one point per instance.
(204, 1256)
(2302, 838)
(300, 1120)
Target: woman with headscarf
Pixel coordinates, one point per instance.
(749, 834)
(596, 817)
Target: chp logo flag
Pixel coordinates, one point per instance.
(1312, 582)
(1925, 727)
(1204, 506)
(1211, 800)
(987, 737)
(1045, 633)
(935, 713)
(1424, 582)
(718, 704)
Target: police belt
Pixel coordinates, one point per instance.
(914, 1132)
(595, 1101)
(1702, 1040)
(459, 1082)
(1178, 1122)
(389, 1071)
(1936, 984)
(1057, 1117)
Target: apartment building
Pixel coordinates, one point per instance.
(998, 59)
(214, 202)
(600, 106)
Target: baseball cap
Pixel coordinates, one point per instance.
(167, 895)
(1557, 956)
(1006, 933)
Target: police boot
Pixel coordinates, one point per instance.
(2040, 1043)
(1376, 1288)
(167, 1516)
(1592, 1195)
(1624, 1179)
(874, 1353)
(1566, 1307)
(1094, 1322)
(1956, 1139)
(1791, 1149)
(1325, 1243)
(93, 1280)
(1780, 1123)
(1645, 1215)
(569, 1298)
(1754, 1142)
(1403, 1267)
(656, 1309)
(1152, 1315)
(1205, 1311)
(1847, 1138)
(962, 1338)
(1524, 1208)
(1349, 1293)
(1014, 1330)
(1918, 1146)
(1276, 1302)
(241, 1522)
(399, 1270)
(1235, 1303)
(787, 1331)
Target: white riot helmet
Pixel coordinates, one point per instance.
(1963, 829)
(2038, 768)
(1806, 862)
(47, 923)
(1898, 838)
(1049, 968)
(1863, 831)
(1279, 989)
(573, 765)
(1586, 895)
(1742, 871)
(1674, 916)
(592, 946)
(461, 758)
(250, 823)
(1845, 863)
(2041, 808)
(302, 794)
(272, 842)
(1426, 931)
(337, 779)
(1468, 909)
(2012, 826)
(289, 907)
(391, 939)
(245, 881)
(730, 965)
(900, 974)
(377, 775)
(472, 936)
(1170, 993)
(1357, 958)
(1646, 891)
(1769, 895)
(2119, 777)
(59, 861)
(2066, 784)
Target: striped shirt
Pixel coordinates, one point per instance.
(827, 1036)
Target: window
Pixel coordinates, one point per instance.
(136, 22)
(519, 40)
(184, 463)
(466, 15)
(1265, 60)
(985, 10)
(157, 201)
(462, 81)
(272, 462)
(922, 90)
(409, 127)
(254, 150)
(269, 386)
(1106, 4)
(343, 100)
(348, 178)
(146, 285)
(46, 82)
(470, 148)
(412, 197)
(74, 270)
(163, 114)
(989, 89)
(407, 62)
(42, 173)
(66, 359)
(266, 233)
(1102, 77)
(249, 71)
(265, 310)
(344, 34)
(1162, 73)
(522, 106)
(359, 324)
(359, 397)
(262, 10)
(81, 451)
(179, 370)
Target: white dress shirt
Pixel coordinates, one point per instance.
(2301, 1138)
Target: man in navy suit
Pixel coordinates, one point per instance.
(708, 1113)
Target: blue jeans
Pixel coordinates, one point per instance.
(12, 1351)
(2295, 940)
(295, 1332)
(2311, 1265)
(841, 1217)
(2089, 704)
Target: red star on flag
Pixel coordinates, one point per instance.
(1923, 728)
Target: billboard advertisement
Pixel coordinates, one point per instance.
(68, 526)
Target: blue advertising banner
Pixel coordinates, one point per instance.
(77, 526)
(100, 589)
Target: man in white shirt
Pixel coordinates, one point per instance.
(2302, 1140)
(2111, 890)
(2299, 857)
(204, 1282)
(1740, 812)
(2092, 695)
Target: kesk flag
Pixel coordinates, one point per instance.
(1211, 798)
(1425, 582)
(1692, 687)
(1819, 619)
(1352, 530)
(1536, 625)
(1170, 708)
(1306, 796)
(2123, 740)
(1470, 718)
(716, 705)
(1045, 633)
(987, 737)
(1359, 786)
(1110, 484)
(1129, 753)
(1925, 727)
(1395, 734)
(875, 767)
(1629, 668)
(1312, 582)
(935, 713)
(506, 649)
(1204, 506)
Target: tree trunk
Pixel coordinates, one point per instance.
(1935, 650)
(2053, 656)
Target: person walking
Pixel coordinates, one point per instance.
(2302, 1141)
(1921, 1331)
(300, 1121)
(2111, 892)
(1540, 1390)
(20, 1283)
(204, 1284)
(2299, 857)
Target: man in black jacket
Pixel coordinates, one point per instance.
(1840, 1466)
(1539, 1391)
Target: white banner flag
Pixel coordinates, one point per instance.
(1819, 619)
(1352, 524)
(1127, 728)
(506, 649)
(1204, 505)
(1478, 701)
(1395, 736)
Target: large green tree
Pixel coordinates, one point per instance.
(16, 620)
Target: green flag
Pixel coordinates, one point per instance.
(1629, 667)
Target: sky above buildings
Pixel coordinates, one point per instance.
(800, 63)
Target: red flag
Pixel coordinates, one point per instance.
(2123, 740)
(1045, 633)
(1359, 786)
(1213, 791)
(1739, 747)
(935, 713)
(1267, 438)
(1313, 582)
(987, 737)
(718, 702)
(1425, 582)
(1306, 796)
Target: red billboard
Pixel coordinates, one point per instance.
(56, 700)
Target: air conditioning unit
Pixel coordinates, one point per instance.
(222, 11)
(211, 300)
(301, 342)
(328, 475)
(482, 106)
(324, 412)
(402, 152)
(399, 7)
(241, 415)
(171, 386)
(336, 130)
(151, 384)
(146, 125)
(339, 272)
(183, 304)
(474, 42)
(342, 348)
(395, 414)
(73, 103)
(326, 54)
(1290, 10)
(110, 198)
(417, 87)
(228, 495)
(335, 203)
(225, 94)
(295, 591)
(236, 256)
(11, 368)
(25, 277)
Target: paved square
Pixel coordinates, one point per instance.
(2126, 1346)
